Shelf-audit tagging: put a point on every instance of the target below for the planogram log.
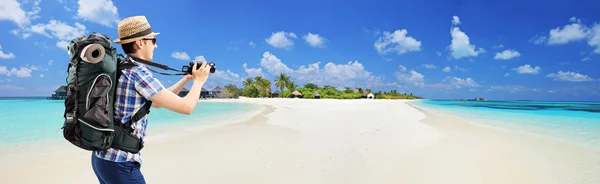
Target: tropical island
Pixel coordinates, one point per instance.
(259, 87)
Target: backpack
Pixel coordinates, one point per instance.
(89, 105)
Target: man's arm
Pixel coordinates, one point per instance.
(176, 88)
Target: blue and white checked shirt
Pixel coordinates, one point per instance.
(135, 87)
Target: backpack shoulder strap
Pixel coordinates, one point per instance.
(138, 115)
(144, 110)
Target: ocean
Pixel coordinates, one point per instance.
(573, 122)
(30, 120)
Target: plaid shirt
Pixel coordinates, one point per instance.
(135, 87)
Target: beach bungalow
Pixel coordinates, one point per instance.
(216, 92)
(59, 94)
(204, 93)
(317, 95)
(296, 94)
(183, 92)
(275, 94)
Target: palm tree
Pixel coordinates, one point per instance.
(292, 86)
(262, 84)
(248, 82)
(282, 81)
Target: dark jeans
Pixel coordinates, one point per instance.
(117, 172)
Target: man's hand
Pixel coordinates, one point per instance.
(188, 78)
(200, 74)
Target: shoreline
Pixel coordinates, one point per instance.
(525, 157)
(333, 141)
(432, 111)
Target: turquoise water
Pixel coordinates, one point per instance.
(575, 122)
(34, 120)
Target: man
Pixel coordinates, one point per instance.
(136, 86)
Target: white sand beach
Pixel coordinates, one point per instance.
(329, 141)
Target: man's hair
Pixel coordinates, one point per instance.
(129, 48)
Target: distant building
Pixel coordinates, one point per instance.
(204, 93)
(216, 92)
(59, 94)
(317, 95)
(275, 94)
(183, 92)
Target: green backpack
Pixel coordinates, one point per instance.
(93, 74)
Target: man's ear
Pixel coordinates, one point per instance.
(138, 44)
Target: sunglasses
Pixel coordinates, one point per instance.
(153, 40)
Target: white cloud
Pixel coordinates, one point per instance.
(181, 56)
(506, 74)
(412, 76)
(459, 82)
(281, 39)
(594, 40)
(273, 64)
(507, 54)
(60, 30)
(429, 66)
(224, 77)
(252, 72)
(447, 69)
(252, 44)
(459, 68)
(551, 91)
(585, 59)
(8, 55)
(7, 87)
(339, 75)
(351, 73)
(527, 69)
(510, 89)
(102, 12)
(314, 40)
(13, 11)
(36, 68)
(455, 20)
(396, 42)
(498, 46)
(575, 31)
(572, 32)
(537, 39)
(21, 72)
(62, 44)
(41, 75)
(199, 58)
(569, 76)
(50, 62)
(438, 53)
(461, 45)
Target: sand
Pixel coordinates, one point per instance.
(328, 141)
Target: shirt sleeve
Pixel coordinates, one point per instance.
(145, 83)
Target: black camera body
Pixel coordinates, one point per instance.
(188, 69)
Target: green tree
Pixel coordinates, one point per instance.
(231, 91)
(282, 81)
(292, 86)
(248, 82)
(311, 86)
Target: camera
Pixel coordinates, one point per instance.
(188, 69)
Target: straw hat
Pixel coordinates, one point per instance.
(134, 28)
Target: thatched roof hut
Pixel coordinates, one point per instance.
(61, 89)
(296, 94)
(217, 89)
(317, 95)
(364, 94)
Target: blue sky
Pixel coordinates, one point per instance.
(503, 50)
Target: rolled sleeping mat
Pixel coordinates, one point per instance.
(92, 53)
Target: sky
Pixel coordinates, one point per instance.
(437, 49)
